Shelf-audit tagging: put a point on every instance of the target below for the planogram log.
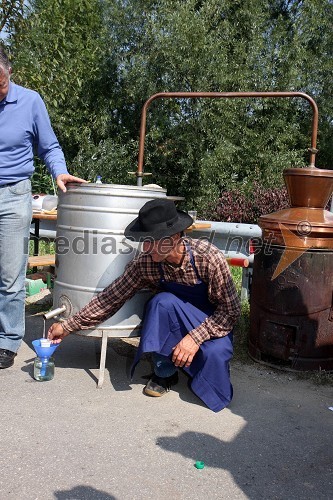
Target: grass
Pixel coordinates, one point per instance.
(242, 327)
(45, 247)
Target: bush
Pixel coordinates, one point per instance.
(237, 206)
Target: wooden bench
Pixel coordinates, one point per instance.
(41, 261)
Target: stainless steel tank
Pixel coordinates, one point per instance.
(92, 250)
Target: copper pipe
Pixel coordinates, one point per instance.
(215, 95)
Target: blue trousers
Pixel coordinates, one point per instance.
(15, 218)
(167, 320)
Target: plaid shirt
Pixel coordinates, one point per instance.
(142, 272)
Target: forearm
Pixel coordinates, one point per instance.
(107, 302)
(49, 149)
(89, 316)
(222, 292)
(53, 156)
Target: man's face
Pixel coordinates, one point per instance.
(4, 82)
(160, 249)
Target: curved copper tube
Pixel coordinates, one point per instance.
(226, 95)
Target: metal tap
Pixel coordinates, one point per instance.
(54, 312)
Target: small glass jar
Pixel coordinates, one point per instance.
(43, 369)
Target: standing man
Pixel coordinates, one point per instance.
(189, 322)
(24, 126)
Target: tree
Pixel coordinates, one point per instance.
(197, 149)
(96, 63)
(11, 13)
(60, 51)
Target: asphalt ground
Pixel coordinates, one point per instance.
(65, 439)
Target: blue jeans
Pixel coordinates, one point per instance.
(15, 218)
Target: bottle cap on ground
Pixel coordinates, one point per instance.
(199, 464)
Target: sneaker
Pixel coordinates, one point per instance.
(158, 386)
(6, 358)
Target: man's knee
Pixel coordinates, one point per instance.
(219, 350)
(163, 299)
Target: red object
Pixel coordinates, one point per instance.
(238, 262)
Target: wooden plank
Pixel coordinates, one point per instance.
(41, 261)
(199, 225)
(44, 216)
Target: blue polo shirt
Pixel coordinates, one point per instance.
(24, 125)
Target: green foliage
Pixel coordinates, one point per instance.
(242, 328)
(41, 180)
(110, 158)
(46, 247)
(96, 62)
(199, 148)
(241, 333)
(11, 13)
(57, 52)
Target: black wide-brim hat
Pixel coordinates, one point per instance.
(157, 219)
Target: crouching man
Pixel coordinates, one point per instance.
(188, 322)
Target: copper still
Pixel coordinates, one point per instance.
(292, 291)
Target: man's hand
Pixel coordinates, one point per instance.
(56, 333)
(62, 180)
(184, 352)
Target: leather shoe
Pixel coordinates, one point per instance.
(6, 358)
(158, 386)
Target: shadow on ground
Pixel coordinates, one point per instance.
(280, 453)
(83, 493)
(83, 353)
(283, 443)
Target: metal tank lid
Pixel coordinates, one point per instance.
(93, 185)
(103, 189)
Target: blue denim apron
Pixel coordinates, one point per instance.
(169, 316)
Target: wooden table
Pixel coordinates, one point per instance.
(40, 260)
